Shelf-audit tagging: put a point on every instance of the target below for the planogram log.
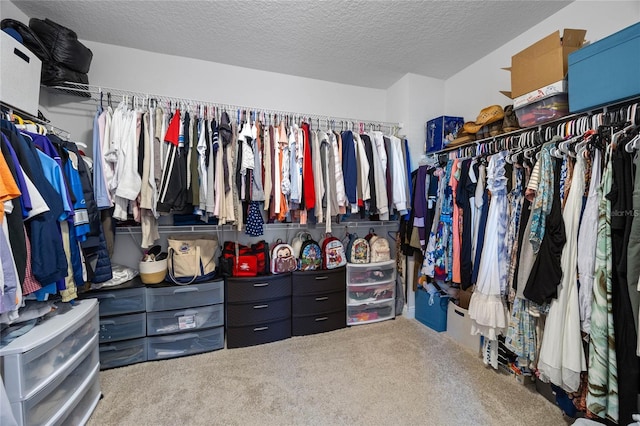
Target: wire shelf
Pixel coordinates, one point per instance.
(100, 93)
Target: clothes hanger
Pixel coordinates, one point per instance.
(632, 145)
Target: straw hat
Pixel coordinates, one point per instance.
(462, 138)
(488, 115)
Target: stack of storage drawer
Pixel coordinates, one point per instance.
(258, 310)
(318, 301)
(52, 372)
(122, 324)
(371, 292)
(184, 320)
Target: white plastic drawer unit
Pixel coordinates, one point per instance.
(118, 354)
(52, 402)
(184, 296)
(183, 320)
(181, 344)
(119, 302)
(370, 273)
(124, 327)
(37, 358)
(373, 312)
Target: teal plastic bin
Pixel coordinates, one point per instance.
(606, 71)
(432, 310)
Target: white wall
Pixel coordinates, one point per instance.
(9, 10)
(478, 85)
(412, 101)
(141, 71)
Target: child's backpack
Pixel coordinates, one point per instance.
(310, 255)
(379, 247)
(357, 249)
(333, 255)
(282, 259)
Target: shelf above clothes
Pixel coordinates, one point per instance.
(268, 227)
(109, 95)
(532, 136)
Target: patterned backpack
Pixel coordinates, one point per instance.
(333, 255)
(379, 247)
(310, 255)
(282, 259)
(357, 249)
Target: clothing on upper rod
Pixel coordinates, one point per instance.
(156, 161)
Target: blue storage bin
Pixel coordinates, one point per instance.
(606, 71)
(441, 131)
(432, 312)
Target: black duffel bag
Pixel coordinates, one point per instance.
(63, 45)
(56, 74)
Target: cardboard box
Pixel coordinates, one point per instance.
(20, 71)
(606, 71)
(441, 131)
(541, 93)
(544, 62)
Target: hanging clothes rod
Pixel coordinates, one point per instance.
(98, 93)
(507, 140)
(40, 119)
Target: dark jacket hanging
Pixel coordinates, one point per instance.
(542, 285)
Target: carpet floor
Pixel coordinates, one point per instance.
(389, 373)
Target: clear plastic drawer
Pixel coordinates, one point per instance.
(186, 296)
(166, 322)
(367, 313)
(118, 354)
(37, 358)
(82, 411)
(113, 329)
(174, 345)
(370, 293)
(118, 302)
(51, 402)
(370, 273)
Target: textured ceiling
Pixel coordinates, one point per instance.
(364, 43)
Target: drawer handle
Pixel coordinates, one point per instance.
(178, 337)
(108, 348)
(320, 299)
(260, 306)
(107, 322)
(260, 284)
(322, 319)
(185, 290)
(260, 328)
(324, 277)
(185, 313)
(107, 296)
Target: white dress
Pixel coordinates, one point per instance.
(587, 237)
(487, 309)
(561, 353)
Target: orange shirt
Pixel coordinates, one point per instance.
(8, 187)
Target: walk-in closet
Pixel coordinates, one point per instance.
(338, 212)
